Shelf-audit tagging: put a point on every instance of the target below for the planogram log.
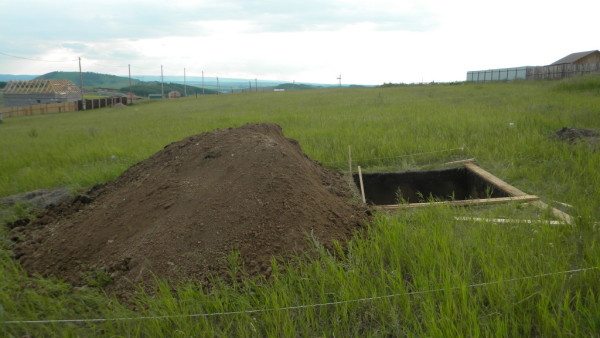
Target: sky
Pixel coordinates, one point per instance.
(367, 42)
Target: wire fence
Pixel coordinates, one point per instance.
(533, 72)
(296, 307)
(392, 160)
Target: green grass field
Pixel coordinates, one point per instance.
(434, 266)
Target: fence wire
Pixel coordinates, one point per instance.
(295, 307)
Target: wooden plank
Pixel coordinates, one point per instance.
(468, 160)
(509, 189)
(362, 187)
(490, 178)
(458, 163)
(350, 161)
(563, 216)
(481, 201)
(37, 109)
(507, 220)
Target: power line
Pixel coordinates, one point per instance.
(296, 307)
(33, 59)
(105, 65)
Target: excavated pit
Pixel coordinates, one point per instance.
(422, 186)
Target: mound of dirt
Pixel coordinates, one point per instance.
(574, 135)
(180, 213)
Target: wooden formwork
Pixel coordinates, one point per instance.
(38, 109)
(49, 108)
(514, 195)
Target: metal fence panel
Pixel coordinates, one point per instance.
(500, 74)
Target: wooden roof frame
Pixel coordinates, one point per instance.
(57, 87)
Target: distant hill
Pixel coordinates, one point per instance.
(226, 84)
(145, 88)
(295, 86)
(91, 80)
(10, 77)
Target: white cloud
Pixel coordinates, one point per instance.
(368, 42)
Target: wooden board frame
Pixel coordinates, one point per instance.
(481, 201)
(514, 195)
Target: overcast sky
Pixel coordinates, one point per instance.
(367, 41)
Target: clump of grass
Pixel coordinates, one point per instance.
(97, 278)
(401, 254)
(589, 84)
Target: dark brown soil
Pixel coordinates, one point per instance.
(180, 213)
(574, 135)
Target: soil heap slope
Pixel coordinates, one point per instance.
(179, 213)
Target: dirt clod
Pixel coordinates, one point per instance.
(38, 199)
(574, 135)
(179, 214)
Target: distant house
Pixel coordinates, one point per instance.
(581, 58)
(174, 94)
(574, 64)
(25, 93)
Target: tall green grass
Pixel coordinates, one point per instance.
(507, 127)
(590, 84)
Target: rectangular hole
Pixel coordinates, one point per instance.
(421, 186)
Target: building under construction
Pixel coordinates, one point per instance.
(25, 93)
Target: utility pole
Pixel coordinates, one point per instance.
(184, 84)
(249, 86)
(162, 83)
(130, 93)
(256, 85)
(81, 85)
(202, 82)
(340, 79)
(218, 86)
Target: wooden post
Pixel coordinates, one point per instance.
(350, 160)
(81, 84)
(162, 83)
(362, 187)
(130, 93)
